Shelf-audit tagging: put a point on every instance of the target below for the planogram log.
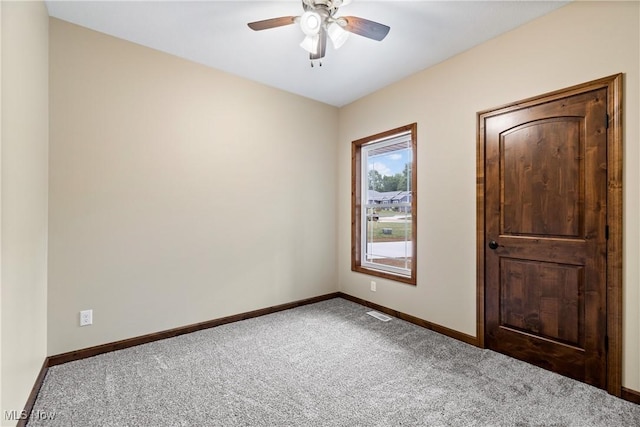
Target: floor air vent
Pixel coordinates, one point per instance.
(379, 316)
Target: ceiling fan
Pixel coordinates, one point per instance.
(319, 22)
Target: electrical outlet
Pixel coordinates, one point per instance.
(373, 286)
(86, 317)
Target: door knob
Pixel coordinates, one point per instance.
(493, 244)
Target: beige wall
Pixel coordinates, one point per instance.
(23, 177)
(577, 43)
(179, 193)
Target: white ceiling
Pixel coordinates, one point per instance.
(214, 33)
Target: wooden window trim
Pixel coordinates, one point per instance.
(356, 209)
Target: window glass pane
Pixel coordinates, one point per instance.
(387, 198)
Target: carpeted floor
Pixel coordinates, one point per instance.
(326, 364)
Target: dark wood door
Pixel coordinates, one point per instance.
(545, 231)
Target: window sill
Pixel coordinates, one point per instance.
(384, 274)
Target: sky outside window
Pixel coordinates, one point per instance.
(389, 164)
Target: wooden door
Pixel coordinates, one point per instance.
(545, 232)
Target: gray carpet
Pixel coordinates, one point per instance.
(326, 364)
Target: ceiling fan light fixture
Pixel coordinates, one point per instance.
(310, 22)
(310, 44)
(319, 22)
(337, 35)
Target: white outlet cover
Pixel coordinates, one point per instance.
(86, 317)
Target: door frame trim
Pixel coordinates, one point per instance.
(614, 86)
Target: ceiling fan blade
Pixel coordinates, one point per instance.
(364, 27)
(322, 45)
(272, 23)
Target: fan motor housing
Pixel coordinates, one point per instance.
(330, 6)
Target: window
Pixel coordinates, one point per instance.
(383, 204)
